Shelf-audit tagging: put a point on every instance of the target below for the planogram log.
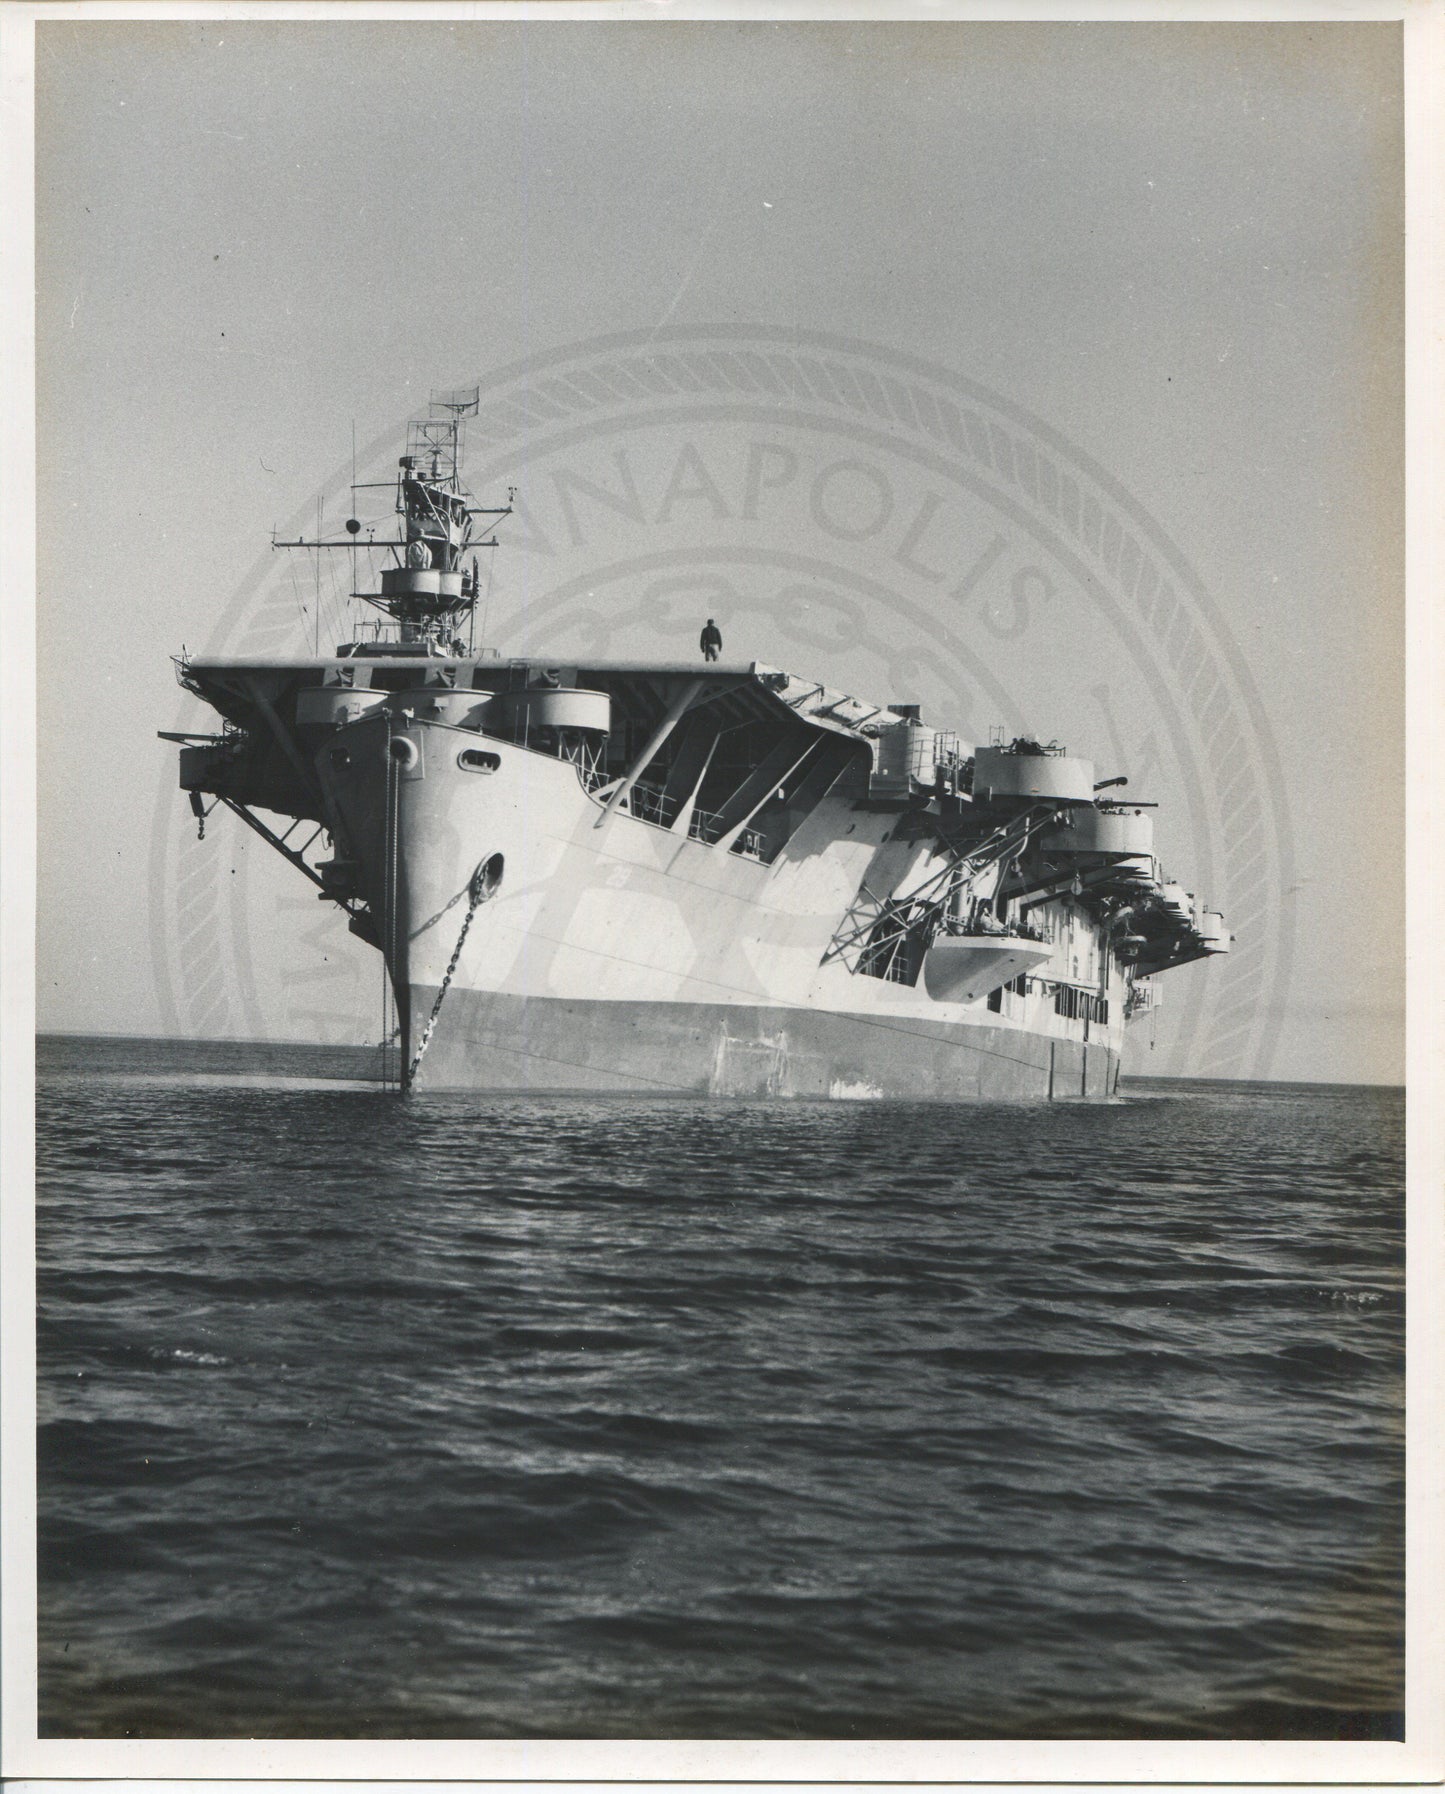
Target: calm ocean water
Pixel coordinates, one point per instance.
(503, 1417)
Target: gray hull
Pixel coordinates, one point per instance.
(488, 1041)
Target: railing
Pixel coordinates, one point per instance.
(1025, 745)
(649, 803)
(708, 826)
(982, 921)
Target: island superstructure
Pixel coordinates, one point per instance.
(659, 876)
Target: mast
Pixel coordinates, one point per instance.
(429, 591)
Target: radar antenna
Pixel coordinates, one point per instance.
(429, 591)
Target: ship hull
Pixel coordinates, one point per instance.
(609, 954)
(491, 1041)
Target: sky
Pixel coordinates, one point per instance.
(1176, 247)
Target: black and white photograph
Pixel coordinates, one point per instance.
(715, 736)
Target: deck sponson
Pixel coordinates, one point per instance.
(494, 1041)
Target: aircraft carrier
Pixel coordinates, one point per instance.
(713, 877)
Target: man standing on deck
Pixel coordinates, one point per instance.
(710, 641)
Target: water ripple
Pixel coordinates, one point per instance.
(561, 1418)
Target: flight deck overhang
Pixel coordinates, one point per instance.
(236, 687)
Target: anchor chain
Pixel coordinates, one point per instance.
(476, 892)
